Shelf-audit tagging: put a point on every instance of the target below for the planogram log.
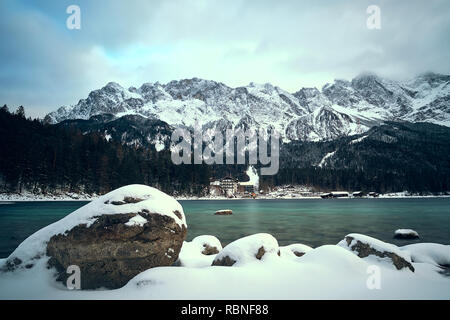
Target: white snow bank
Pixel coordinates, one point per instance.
(327, 272)
(191, 252)
(336, 256)
(244, 250)
(153, 200)
(375, 244)
(432, 253)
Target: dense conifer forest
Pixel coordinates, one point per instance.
(43, 158)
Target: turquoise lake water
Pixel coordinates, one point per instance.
(313, 222)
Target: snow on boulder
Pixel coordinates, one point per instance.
(432, 253)
(405, 234)
(248, 249)
(200, 252)
(137, 220)
(365, 246)
(111, 239)
(294, 250)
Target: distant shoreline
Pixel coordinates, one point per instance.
(8, 198)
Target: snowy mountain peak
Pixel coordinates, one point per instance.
(341, 108)
(113, 86)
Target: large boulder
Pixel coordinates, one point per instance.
(368, 247)
(248, 249)
(113, 238)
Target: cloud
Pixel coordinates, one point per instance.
(288, 43)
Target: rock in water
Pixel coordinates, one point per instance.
(111, 239)
(224, 212)
(365, 246)
(406, 234)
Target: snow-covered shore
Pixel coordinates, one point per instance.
(252, 267)
(299, 197)
(28, 196)
(326, 272)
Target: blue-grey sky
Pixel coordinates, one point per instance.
(291, 44)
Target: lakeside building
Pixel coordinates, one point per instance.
(246, 187)
(339, 194)
(229, 186)
(335, 194)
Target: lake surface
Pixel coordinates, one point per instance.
(313, 222)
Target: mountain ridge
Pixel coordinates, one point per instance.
(340, 108)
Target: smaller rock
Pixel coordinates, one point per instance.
(199, 253)
(406, 234)
(223, 212)
(12, 264)
(365, 246)
(248, 249)
(210, 245)
(295, 250)
(208, 250)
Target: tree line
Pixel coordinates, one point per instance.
(43, 158)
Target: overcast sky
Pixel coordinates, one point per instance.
(291, 44)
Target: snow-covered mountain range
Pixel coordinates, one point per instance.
(339, 109)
